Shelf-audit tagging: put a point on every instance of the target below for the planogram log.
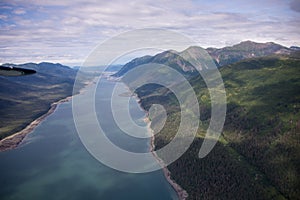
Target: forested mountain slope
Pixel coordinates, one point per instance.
(258, 155)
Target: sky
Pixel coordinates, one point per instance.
(66, 31)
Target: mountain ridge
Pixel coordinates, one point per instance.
(33, 94)
(257, 155)
(195, 56)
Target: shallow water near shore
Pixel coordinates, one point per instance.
(52, 163)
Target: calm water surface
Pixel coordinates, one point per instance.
(52, 163)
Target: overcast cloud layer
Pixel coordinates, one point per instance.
(66, 31)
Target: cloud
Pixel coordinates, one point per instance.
(295, 5)
(49, 29)
(19, 11)
(3, 17)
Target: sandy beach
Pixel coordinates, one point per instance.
(12, 141)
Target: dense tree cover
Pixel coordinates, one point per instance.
(258, 155)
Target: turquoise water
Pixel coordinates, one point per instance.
(52, 163)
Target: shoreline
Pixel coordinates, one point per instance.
(181, 193)
(13, 141)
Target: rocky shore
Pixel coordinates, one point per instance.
(182, 194)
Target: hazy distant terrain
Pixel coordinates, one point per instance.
(258, 155)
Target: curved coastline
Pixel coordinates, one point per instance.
(182, 194)
(14, 140)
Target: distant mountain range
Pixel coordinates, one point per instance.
(25, 98)
(247, 49)
(223, 56)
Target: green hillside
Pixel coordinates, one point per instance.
(258, 155)
(25, 98)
